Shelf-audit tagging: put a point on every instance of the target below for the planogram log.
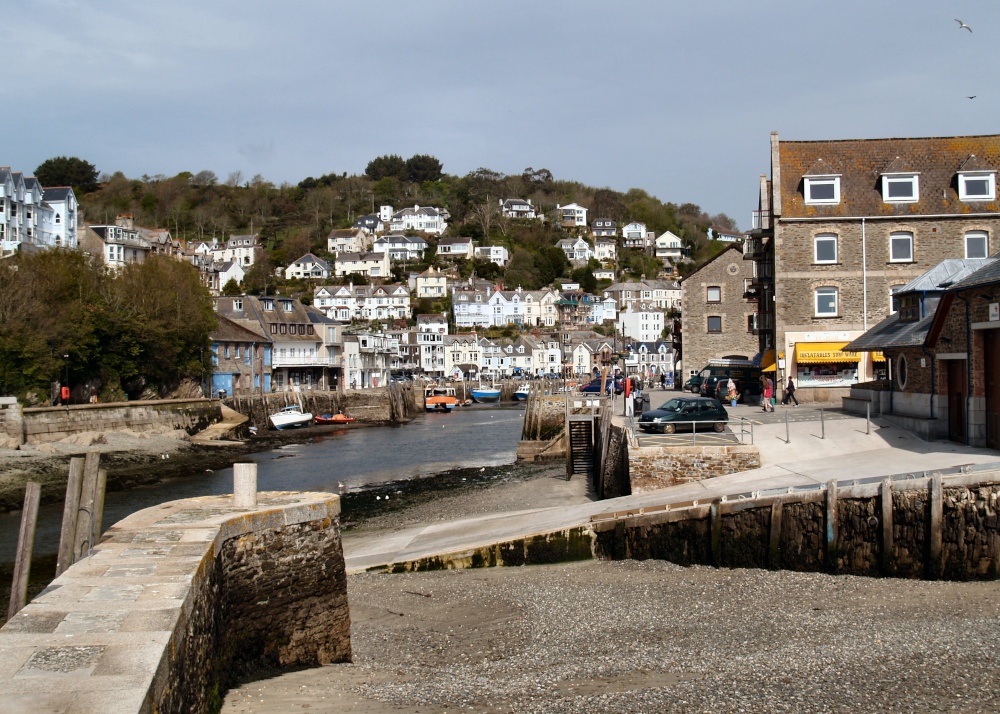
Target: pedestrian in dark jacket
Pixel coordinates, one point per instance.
(790, 393)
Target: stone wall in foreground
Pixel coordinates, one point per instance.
(655, 467)
(178, 601)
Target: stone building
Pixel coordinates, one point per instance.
(841, 225)
(717, 317)
(943, 351)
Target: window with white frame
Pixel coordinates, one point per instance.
(977, 244)
(900, 188)
(826, 302)
(901, 247)
(977, 186)
(894, 298)
(825, 248)
(713, 294)
(822, 189)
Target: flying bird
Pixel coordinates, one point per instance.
(973, 96)
(962, 25)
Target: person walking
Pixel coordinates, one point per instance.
(790, 393)
(768, 389)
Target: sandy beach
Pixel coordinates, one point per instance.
(641, 636)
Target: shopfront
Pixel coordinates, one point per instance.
(823, 364)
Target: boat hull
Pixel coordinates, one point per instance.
(285, 422)
(486, 396)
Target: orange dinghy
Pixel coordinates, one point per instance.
(333, 419)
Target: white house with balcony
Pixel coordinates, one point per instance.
(431, 331)
(401, 248)
(669, 248)
(421, 219)
(497, 254)
(348, 240)
(308, 267)
(571, 215)
(606, 250)
(64, 211)
(455, 248)
(117, 245)
(517, 208)
(471, 307)
(369, 265)
(345, 303)
(577, 250)
(463, 357)
(242, 249)
(635, 235)
(642, 322)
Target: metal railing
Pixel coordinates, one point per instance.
(740, 427)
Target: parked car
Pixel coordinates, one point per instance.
(680, 411)
(746, 392)
(594, 386)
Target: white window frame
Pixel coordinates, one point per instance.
(810, 181)
(991, 193)
(826, 291)
(893, 308)
(898, 235)
(836, 248)
(986, 243)
(708, 293)
(900, 179)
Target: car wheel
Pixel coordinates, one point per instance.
(667, 429)
(719, 427)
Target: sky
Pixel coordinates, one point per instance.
(677, 98)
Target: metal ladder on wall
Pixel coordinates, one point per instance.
(581, 447)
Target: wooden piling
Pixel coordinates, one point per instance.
(830, 541)
(887, 556)
(84, 538)
(774, 542)
(71, 506)
(936, 506)
(25, 546)
(102, 487)
(715, 523)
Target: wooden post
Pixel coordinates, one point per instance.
(831, 526)
(67, 537)
(936, 506)
(715, 523)
(25, 546)
(774, 544)
(83, 541)
(888, 549)
(102, 487)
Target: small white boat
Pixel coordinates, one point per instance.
(522, 392)
(290, 417)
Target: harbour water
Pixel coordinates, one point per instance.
(341, 461)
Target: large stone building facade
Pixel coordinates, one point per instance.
(842, 224)
(717, 318)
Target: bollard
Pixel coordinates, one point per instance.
(822, 424)
(245, 485)
(868, 417)
(788, 438)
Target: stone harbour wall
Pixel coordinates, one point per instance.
(178, 601)
(655, 467)
(46, 424)
(913, 528)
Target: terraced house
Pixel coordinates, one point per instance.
(841, 225)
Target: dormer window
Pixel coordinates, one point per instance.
(900, 188)
(977, 186)
(822, 189)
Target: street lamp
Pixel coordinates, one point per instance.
(66, 392)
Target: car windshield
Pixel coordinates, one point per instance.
(674, 405)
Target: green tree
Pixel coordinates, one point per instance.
(388, 165)
(68, 171)
(423, 167)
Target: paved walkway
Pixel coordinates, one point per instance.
(847, 452)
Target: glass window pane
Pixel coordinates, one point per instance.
(715, 324)
(975, 245)
(821, 190)
(977, 186)
(826, 250)
(826, 301)
(900, 248)
(901, 188)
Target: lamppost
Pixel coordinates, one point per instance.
(66, 391)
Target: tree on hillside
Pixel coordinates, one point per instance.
(423, 167)
(68, 171)
(385, 166)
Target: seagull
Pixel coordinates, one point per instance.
(972, 97)
(962, 25)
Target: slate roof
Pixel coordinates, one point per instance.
(944, 274)
(861, 163)
(892, 332)
(989, 274)
(229, 331)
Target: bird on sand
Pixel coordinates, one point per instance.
(962, 25)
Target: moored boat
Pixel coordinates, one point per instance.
(486, 395)
(333, 419)
(290, 417)
(522, 392)
(440, 399)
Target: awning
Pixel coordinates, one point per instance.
(878, 357)
(767, 362)
(822, 353)
(772, 368)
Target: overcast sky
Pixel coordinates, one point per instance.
(674, 97)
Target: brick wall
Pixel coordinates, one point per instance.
(655, 467)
